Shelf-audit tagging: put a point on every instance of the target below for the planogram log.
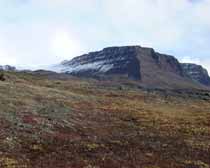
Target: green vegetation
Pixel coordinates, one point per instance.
(47, 122)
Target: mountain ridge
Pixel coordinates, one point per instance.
(151, 68)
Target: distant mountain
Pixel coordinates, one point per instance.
(150, 68)
(7, 68)
(197, 73)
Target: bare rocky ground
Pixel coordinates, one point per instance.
(84, 123)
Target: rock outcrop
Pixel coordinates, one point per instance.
(197, 73)
(152, 69)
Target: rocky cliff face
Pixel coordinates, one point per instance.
(152, 69)
(197, 73)
(109, 61)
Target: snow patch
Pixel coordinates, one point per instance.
(106, 67)
(100, 66)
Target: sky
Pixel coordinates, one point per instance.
(34, 33)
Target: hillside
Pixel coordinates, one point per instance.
(60, 121)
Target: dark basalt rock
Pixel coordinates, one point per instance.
(197, 73)
(113, 60)
(152, 69)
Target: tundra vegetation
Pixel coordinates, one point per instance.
(87, 123)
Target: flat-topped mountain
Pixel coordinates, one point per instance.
(152, 69)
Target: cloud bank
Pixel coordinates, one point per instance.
(40, 32)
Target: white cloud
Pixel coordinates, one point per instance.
(6, 59)
(196, 60)
(191, 60)
(36, 32)
(37, 44)
(162, 23)
(64, 45)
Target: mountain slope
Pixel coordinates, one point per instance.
(197, 73)
(84, 123)
(150, 68)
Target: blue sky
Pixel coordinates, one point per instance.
(41, 32)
